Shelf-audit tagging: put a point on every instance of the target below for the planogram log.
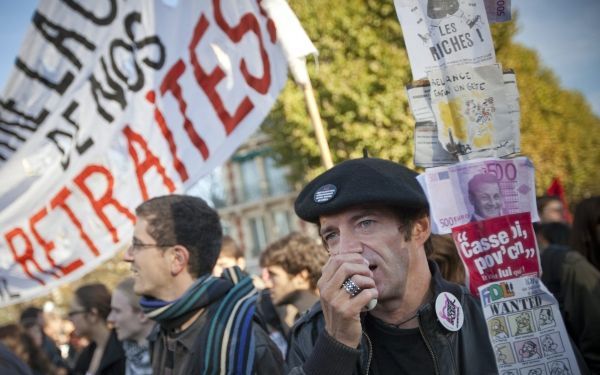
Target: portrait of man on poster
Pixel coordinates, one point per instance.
(485, 196)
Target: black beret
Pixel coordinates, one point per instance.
(360, 181)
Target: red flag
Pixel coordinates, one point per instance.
(556, 189)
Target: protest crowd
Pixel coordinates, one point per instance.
(453, 267)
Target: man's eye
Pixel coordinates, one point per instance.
(328, 237)
(364, 224)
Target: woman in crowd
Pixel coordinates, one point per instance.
(88, 312)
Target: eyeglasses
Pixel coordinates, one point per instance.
(71, 314)
(137, 245)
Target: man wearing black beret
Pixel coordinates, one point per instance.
(384, 309)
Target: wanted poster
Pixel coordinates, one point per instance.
(526, 329)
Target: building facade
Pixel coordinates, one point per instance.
(254, 199)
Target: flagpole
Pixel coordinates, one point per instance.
(315, 119)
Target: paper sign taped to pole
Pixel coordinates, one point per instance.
(526, 328)
(477, 190)
(471, 110)
(497, 249)
(440, 33)
(429, 152)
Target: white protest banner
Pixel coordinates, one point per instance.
(471, 110)
(526, 328)
(112, 103)
(497, 10)
(440, 33)
(497, 249)
(477, 190)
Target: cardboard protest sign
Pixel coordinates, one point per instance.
(477, 190)
(497, 249)
(471, 111)
(526, 328)
(112, 103)
(440, 33)
(429, 152)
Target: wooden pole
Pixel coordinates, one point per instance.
(315, 119)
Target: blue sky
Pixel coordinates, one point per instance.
(565, 34)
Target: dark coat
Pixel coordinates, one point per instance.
(112, 362)
(452, 352)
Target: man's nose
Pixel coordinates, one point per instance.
(128, 257)
(349, 243)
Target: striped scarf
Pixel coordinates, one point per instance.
(227, 341)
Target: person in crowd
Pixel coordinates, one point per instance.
(585, 235)
(294, 264)
(445, 255)
(550, 209)
(132, 327)
(293, 267)
(32, 320)
(231, 255)
(575, 283)
(10, 363)
(485, 196)
(205, 323)
(17, 340)
(384, 308)
(88, 312)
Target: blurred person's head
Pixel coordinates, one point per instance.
(22, 345)
(32, 321)
(176, 239)
(550, 209)
(445, 254)
(293, 264)
(89, 309)
(231, 255)
(585, 233)
(126, 315)
(552, 233)
(485, 196)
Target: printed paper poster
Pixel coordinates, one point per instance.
(440, 33)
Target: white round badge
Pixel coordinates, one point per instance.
(325, 193)
(449, 311)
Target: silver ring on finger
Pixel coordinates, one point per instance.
(351, 287)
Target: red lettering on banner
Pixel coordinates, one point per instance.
(60, 200)
(106, 199)
(168, 135)
(209, 83)
(248, 23)
(26, 256)
(143, 167)
(170, 84)
(49, 245)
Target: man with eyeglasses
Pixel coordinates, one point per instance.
(206, 324)
(384, 308)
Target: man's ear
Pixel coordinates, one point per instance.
(180, 257)
(301, 280)
(422, 229)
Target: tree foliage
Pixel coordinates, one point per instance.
(360, 84)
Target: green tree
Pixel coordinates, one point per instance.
(360, 84)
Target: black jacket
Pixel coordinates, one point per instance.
(112, 362)
(466, 352)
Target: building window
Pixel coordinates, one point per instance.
(283, 223)
(250, 179)
(259, 235)
(276, 176)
